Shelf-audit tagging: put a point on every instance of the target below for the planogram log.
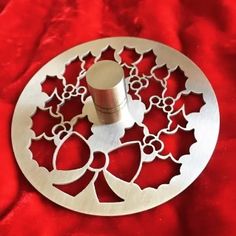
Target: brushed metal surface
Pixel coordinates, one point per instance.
(106, 138)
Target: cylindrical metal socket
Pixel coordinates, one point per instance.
(106, 85)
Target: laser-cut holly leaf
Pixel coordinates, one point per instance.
(88, 60)
(129, 56)
(108, 54)
(147, 63)
(43, 122)
(177, 144)
(52, 84)
(160, 72)
(178, 119)
(71, 108)
(133, 94)
(162, 171)
(192, 102)
(53, 103)
(132, 134)
(154, 88)
(127, 70)
(72, 71)
(134, 86)
(42, 157)
(175, 83)
(155, 120)
(82, 82)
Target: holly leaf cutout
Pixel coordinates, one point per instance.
(71, 108)
(178, 143)
(160, 72)
(87, 61)
(72, 71)
(155, 120)
(53, 103)
(132, 134)
(108, 54)
(52, 84)
(43, 122)
(192, 102)
(129, 56)
(157, 172)
(42, 157)
(178, 119)
(133, 94)
(154, 88)
(147, 63)
(127, 70)
(175, 83)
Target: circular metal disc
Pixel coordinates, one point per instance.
(162, 85)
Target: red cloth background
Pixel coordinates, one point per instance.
(32, 32)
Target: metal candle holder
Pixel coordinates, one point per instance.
(112, 96)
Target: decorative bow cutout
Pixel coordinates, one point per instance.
(74, 153)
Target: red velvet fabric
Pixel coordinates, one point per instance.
(32, 32)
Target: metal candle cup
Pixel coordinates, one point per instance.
(106, 85)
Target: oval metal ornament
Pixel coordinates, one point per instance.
(73, 159)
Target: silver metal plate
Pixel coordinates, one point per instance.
(161, 84)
